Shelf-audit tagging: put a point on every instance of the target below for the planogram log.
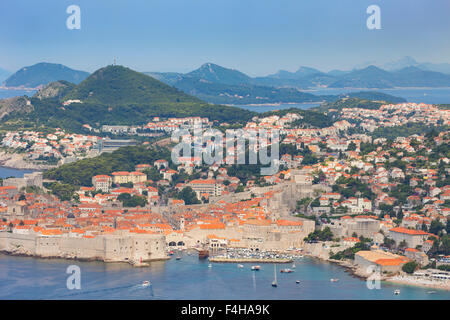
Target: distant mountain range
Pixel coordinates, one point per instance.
(408, 62)
(4, 74)
(40, 74)
(119, 95)
(215, 84)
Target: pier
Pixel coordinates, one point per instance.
(253, 260)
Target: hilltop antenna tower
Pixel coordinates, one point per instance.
(114, 61)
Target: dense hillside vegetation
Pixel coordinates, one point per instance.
(79, 173)
(363, 99)
(117, 95)
(117, 85)
(245, 94)
(57, 89)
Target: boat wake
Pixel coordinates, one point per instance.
(131, 288)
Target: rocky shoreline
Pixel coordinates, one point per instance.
(17, 161)
(414, 281)
(21, 253)
(397, 279)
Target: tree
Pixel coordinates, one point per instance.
(400, 214)
(351, 146)
(302, 204)
(388, 242)
(320, 235)
(410, 267)
(62, 190)
(132, 200)
(188, 195)
(127, 185)
(436, 227)
(402, 244)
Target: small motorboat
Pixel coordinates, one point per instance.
(171, 253)
(293, 266)
(210, 265)
(256, 268)
(145, 283)
(397, 292)
(240, 266)
(178, 258)
(297, 281)
(286, 271)
(334, 280)
(431, 292)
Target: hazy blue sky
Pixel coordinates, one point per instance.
(255, 36)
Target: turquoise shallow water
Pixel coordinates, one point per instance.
(189, 278)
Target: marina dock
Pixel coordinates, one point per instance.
(252, 260)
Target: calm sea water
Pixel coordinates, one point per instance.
(425, 95)
(9, 172)
(282, 106)
(428, 95)
(189, 278)
(14, 93)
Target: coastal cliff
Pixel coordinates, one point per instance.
(17, 161)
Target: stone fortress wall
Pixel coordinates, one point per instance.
(108, 248)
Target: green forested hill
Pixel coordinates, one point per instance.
(118, 95)
(117, 85)
(79, 173)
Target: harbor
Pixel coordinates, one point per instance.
(192, 278)
(249, 260)
(250, 256)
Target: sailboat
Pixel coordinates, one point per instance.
(274, 283)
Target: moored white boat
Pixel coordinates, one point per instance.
(275, 283)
